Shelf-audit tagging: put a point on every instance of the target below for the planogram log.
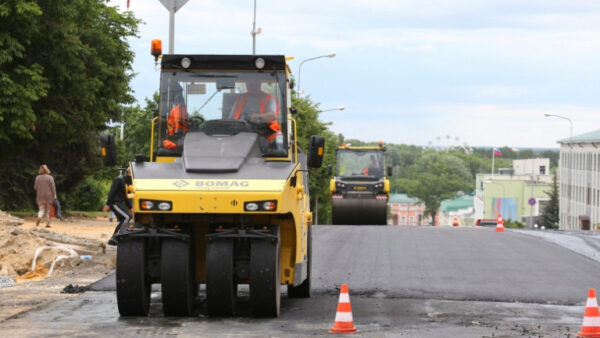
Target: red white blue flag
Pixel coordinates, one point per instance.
(497, 152)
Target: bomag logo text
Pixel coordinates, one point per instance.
(222, 184)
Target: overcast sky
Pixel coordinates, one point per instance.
(414, 72)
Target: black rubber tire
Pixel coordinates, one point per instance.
(303, 290)
(133, 281)
(221, 287)
(265, 279)
(177, 272)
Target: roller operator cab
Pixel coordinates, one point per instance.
(360, 189)
(224, 198)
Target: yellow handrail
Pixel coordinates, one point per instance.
(295, 141)
(152, 138)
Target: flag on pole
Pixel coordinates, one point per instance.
(497, 152)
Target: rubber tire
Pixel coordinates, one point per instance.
(221, 288)
(265, 278)
(303, 290)
(133, 282)
(177, 272)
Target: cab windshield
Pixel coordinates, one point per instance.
(360, 163)
(222, 103)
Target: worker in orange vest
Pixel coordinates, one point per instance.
(177, 123)
(258, 106)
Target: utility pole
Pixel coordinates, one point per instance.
(172, 6)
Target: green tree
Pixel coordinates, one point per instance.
(550, 215)
(65, 68)
(309, 124)
(138, 126)
(437, 176)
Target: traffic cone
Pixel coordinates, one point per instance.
(500, 224)
(343, 317)
(591, 318)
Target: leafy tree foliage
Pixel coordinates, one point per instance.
(309, 124)
(550, 214)
(138, 126)
(437, 176)
(65, 68)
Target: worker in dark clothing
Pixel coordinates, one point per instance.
(118, 203)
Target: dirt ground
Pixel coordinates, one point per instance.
(70, 252)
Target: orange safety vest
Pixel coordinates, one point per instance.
(264, 99)
(177, 120)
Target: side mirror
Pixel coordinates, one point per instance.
(390, 170)
(316, 150)
(108, 150)
(292, 84)
(329, 169)
(293, 111)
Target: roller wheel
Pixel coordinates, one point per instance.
(178, 278)
(133, 281)
(265, 281)
(221, 288)
(303, 290)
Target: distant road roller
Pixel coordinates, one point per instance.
(360, 189)
(224, 198)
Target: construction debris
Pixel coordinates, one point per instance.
(9, 220)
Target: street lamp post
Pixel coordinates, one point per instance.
(331, 109)
(310, 59)
(570, 166)
(255, 31)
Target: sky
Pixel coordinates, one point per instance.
(422, 72)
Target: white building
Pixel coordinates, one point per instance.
(532, 166)
(579, 173)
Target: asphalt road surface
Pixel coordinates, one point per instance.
(403, 281)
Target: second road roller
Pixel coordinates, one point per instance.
(360, 189)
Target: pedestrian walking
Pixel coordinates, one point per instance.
(118, 203)
(45, 194)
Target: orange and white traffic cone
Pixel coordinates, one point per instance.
(343, 317)
(591, 318)
(500, 224)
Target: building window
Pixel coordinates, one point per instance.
(542, 170)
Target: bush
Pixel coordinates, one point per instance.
(89, 195)
(509, 223)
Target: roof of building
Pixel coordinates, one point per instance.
(457, 203)
(592, 136)
(403, 199)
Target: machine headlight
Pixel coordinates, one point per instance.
(259, 63)
(147, 205)
(251, 206)
(269, 206)
(261, 206)
(164, 206)
(156, 205)
(185, 63)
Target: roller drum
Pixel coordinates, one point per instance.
(355, 211)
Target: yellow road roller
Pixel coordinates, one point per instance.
(360, 189)
(223, 199)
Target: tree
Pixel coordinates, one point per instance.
(309, 124)
(65, 68)
(550, 215)
(138, 126)
(437, 176)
